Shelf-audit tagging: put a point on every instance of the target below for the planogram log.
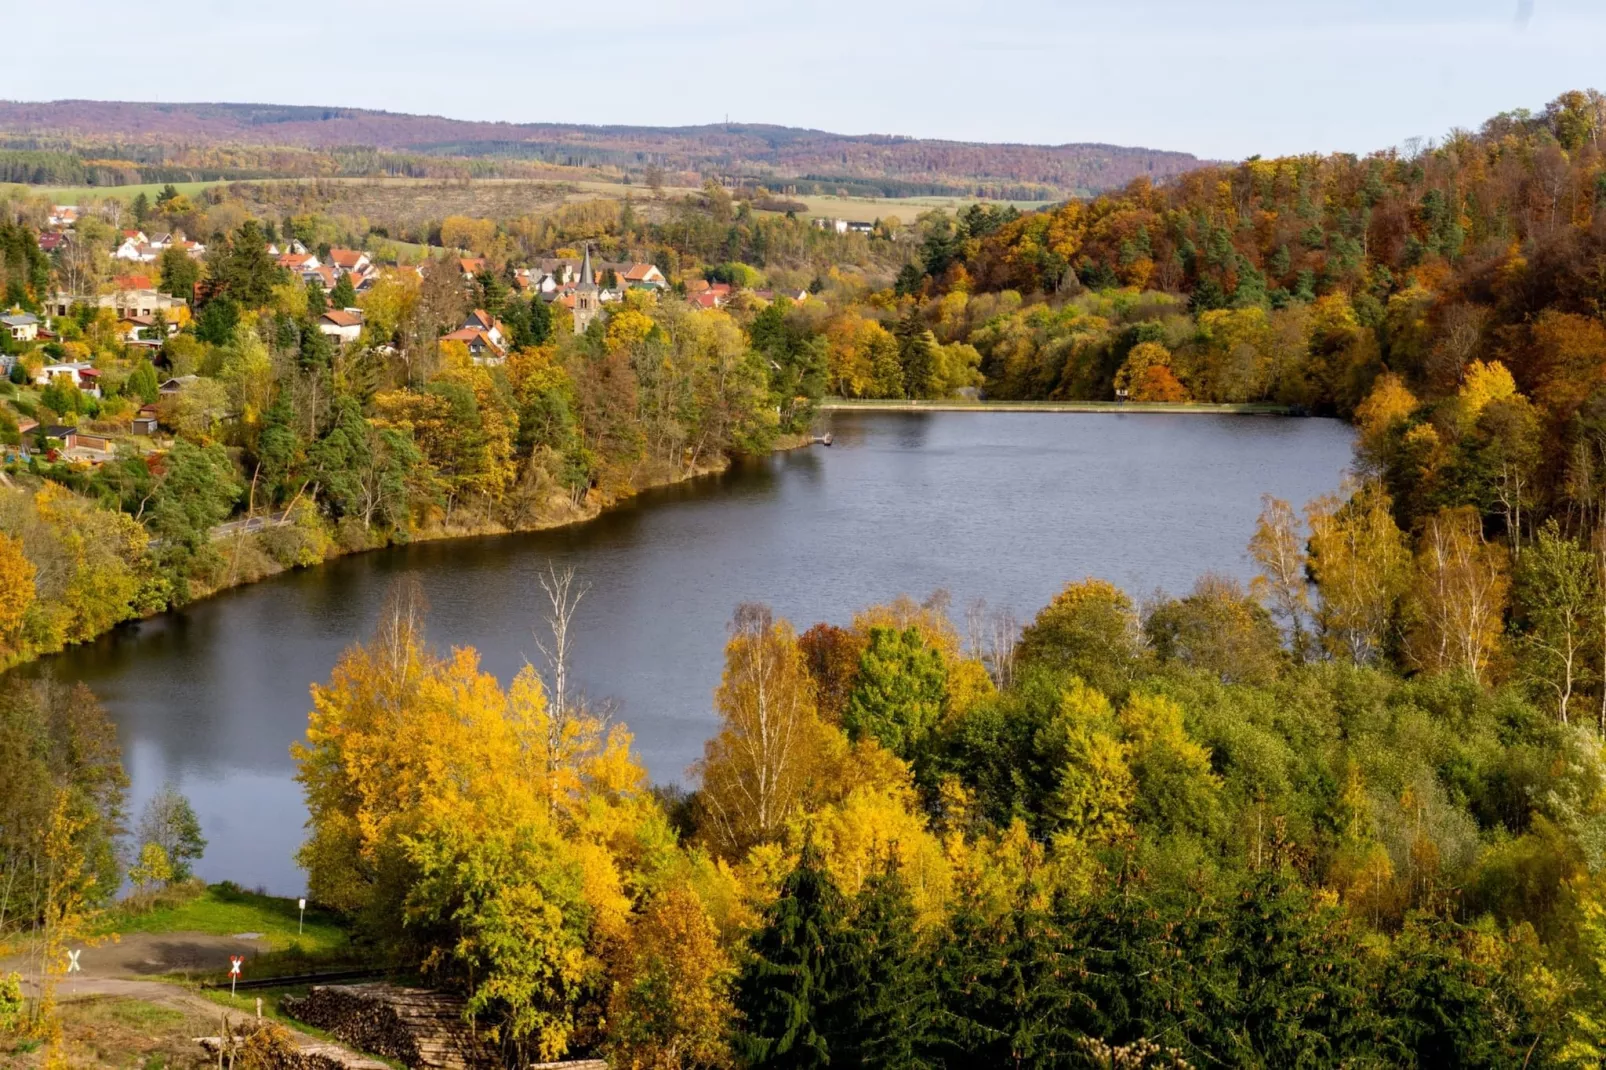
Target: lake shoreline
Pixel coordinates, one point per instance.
(269, 568)
(1146, 407)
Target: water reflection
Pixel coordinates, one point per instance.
(1005, 506)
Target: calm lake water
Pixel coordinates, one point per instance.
(1006, 506)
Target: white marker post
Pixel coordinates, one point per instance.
(302, 904)
(235, 962)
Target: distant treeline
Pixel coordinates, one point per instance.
(67, 169)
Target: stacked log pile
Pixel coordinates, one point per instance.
(420, 1028)
(268, 1046)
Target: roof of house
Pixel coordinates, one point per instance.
(639, 272)
(471, 265)
(19, 319)
(346, 258)
(134, 282)
(470, 335)
(341, 318)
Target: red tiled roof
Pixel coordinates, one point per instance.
(341, 318)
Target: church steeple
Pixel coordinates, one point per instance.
(587, 298)
(588, 279)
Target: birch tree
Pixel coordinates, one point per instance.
(1557, 598)
(1281, 585)
(1458, 596)
(755, 771)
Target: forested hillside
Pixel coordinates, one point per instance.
(813, 158)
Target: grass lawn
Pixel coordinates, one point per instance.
(73, 194)
(109, 1032)
(224, 910)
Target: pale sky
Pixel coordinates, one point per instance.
(1223, 79)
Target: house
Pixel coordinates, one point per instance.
(641, 276)
(859, 226)
(324, 275)
(125, 303)
(299, 263)
(51, 241)
(161, 241)
(171, 388)
(63, 215)
(82, 373)
(718, 289)
(352, 261)
(471, 265)
(136, 236)
(480, 320)
(144, 423)
(22, 326)
(135, 252)
(481, 348)
(344, 324)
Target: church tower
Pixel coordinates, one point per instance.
(587, 298)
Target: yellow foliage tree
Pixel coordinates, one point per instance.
(1361, 565)
(756, 770)
(670, 1005)
(500, 838)
(16, 592)
(1483, 384)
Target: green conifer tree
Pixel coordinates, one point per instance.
(785, 985)
(344, 295)
(884, 1009)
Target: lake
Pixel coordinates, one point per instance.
(1005, 506)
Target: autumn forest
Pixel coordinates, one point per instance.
(1352, 812)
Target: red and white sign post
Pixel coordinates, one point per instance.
(235, 962)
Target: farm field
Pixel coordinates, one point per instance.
(425, 198)
(73, 194)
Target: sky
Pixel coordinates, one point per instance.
(1222, 79)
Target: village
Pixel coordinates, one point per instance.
(41, 351)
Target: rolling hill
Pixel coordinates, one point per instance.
(816, 159)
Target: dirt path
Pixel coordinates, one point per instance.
(127, 968)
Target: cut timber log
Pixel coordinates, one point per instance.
(422, 1029)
